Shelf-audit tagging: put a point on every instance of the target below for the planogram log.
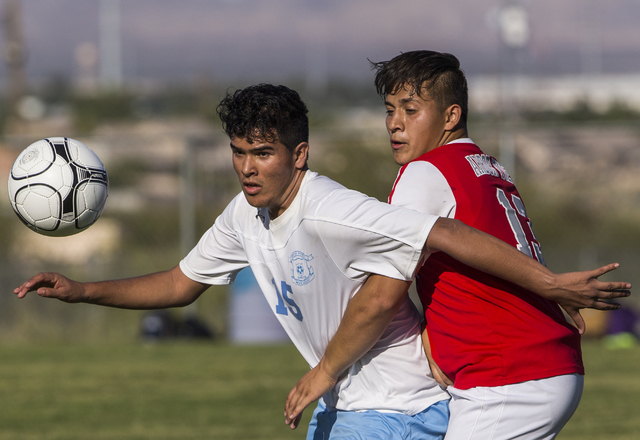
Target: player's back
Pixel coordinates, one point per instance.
(484, 331)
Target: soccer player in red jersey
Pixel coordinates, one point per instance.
(510, 360)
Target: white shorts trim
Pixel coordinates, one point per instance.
(533, 410)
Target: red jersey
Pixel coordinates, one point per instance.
(484, 331)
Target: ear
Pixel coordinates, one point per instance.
(301, 155)
(453, 117)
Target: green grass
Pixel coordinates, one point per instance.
(610, 406)
(162, 391)
(217, 391)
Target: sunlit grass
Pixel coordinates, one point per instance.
(218, 391)
(162, 391)
(610, 406)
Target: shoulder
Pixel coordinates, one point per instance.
(236, 214)
(422, 186)
(419, 170)
(319, 187)
(322, 197)
(418, 178)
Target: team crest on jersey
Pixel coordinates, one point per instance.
(301, 271)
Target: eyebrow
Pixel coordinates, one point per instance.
(254, 150)
(402, 101)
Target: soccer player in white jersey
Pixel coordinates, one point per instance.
(311, 244)
(511, 359)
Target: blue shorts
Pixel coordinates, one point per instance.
(430, 424)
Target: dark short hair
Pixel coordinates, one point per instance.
(437, 73)
(265, 112)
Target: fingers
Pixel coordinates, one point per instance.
(622, 287)
(290, 404)
(308, 389)
(607, 291)
(447, 380)
(604, 305)
(34, 283)
(604, 269)
(442, 380)
(49, 285)
(575, 315)
(295, 406)
(614, 290)
(293, 399)
(438, 375)
(439, 379)
(294, 423)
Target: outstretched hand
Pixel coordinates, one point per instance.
(579, 290)
(310, 387)
(52, 285)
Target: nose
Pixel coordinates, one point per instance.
(248, 167)
(394, 122)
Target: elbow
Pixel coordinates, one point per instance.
(385, 304)
(186, 298)
(444, 231)
(387, 296)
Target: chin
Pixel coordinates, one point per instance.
(253, 201)
(399, 159)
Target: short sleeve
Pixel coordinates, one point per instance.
(421, 186)
(364, 235)
(219, 255)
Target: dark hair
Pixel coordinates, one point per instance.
(438, 74)
(265, 112)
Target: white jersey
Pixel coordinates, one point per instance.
(309, 262)
(426, 176)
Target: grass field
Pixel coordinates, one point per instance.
(216, 391)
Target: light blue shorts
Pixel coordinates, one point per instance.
(430, 424)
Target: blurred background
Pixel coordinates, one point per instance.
(554, 94)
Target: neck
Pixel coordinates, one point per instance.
(450, 136)
(289, 196)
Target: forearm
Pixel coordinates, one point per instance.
(151, 291)
(489, 254)
(367, 316)
(170, 288)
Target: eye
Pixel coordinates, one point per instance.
(411, 111)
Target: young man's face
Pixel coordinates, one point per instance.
(415, 125)
(269, 173)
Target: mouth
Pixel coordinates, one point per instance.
(396, 145)
(251, 188)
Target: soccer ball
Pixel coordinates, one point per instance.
(58, 186)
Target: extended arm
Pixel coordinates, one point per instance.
(170, 288)
(373, 310)
(573, 291)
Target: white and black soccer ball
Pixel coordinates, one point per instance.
(58, 186)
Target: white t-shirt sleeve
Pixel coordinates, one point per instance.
(366, 236)
(423, 187)
(219, 255)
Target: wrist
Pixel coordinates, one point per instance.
(549, 284)
(85, 293)
(329, 371)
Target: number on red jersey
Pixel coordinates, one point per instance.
(518, 220)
